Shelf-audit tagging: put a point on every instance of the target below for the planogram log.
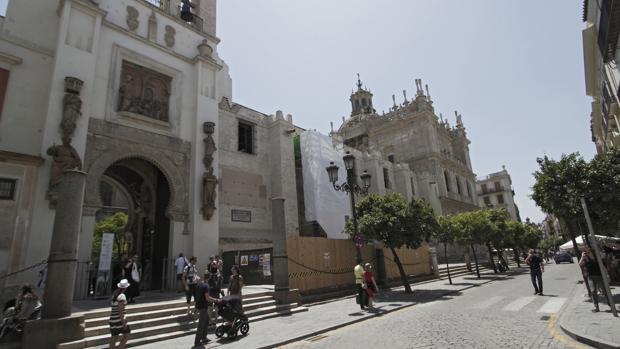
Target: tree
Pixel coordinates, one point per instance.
(469, 231)
(515, 231)
(499, 237)
(396, 223)
(114, 224)
(446, 234)
(601, 192)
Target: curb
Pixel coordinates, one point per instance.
(592, 341)
(348, 323)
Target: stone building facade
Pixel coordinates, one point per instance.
(495, 191)
(134, 94)
(602, 75)
(429, 158)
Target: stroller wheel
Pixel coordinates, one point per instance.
(232, 333)
(220, 331)
(245, 328)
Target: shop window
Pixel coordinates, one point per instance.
(7, 188)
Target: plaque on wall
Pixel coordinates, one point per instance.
(241, 216)
(144, 91)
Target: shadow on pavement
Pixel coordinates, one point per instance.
(492, 277)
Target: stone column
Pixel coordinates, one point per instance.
(283, 294)
(62, 261)
(57, 325)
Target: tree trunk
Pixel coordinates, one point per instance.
(445, 249)
(491, 260)
(401, 270)
(517, 258)
(473, 250)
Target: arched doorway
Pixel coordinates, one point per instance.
(138, 189)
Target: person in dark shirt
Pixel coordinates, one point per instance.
(202, 302)
(589, 262)
(537, 267)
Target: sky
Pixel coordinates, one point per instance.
(513, 69)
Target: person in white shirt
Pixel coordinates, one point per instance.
(179, 265)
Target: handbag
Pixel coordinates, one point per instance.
(135, 273)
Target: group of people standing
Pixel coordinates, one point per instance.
(206, 295)
(367, 287)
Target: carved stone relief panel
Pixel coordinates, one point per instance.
(144, 91)
(169, 36)
(132, 18)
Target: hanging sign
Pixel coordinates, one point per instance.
(105, 257)
(244, 260)
(326, 259)
(260, 260)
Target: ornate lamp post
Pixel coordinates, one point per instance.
(351, 187)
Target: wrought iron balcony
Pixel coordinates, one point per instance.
(183, 10)
(609, 28)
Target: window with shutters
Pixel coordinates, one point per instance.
(445, 177)
(246, 137)
(487, 201)
(386, 178)
(500, 198)
(4, 81)
(7, 188)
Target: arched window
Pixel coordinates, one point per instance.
(364, 102)
(357, 105)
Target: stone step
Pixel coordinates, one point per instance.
(133, 342)
(160, 317)
(170, 310)
(178, 303)
(173, 326)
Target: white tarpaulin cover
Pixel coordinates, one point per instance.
(323, 204)
(568, 246)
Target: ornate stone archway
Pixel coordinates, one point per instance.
(108, 143)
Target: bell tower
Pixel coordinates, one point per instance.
(361, 100)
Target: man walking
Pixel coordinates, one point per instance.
(536, 269)
(358, 271)
(589, 262)
(179, 265)
(202, 303)
(190, 278)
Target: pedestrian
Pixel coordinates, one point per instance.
(589, 262)
(214, 292)
(26, 306)
(190, 278)
(361, 298)
(536, 269)
(132, 273)
(371, 285)
(118, 322)
(202, 304)
(179, 265)
(235, 284)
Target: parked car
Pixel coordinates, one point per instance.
(560, 257)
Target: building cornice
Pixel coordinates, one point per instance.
(10, 59)
(8, 156)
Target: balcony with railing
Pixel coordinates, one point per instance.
(609, 28)
(183, 10)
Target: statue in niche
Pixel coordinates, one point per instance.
(72, 104)
(209, 180)
(209, 183)
(65, 157)
(210, 148)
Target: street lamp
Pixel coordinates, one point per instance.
(350, 187)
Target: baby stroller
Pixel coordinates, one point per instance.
(235, 321)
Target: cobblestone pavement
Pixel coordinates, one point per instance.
(501, 314)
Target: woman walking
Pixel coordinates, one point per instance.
(118, 323)
(371, 284)
(235, 284)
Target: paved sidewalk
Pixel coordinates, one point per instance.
(600, 330)
(326, 316)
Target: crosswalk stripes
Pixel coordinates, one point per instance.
(547, 305)
(552, 306)
(489, 302)
(519, 303)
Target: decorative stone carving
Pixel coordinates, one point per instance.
(72, 104)
(132, 18)
(225, 104)
(152, 29)
(65, 157)
(209, 180)
(204, 49)
(169, 36)
(144, 91)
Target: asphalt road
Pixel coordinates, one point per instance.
(500, 314)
